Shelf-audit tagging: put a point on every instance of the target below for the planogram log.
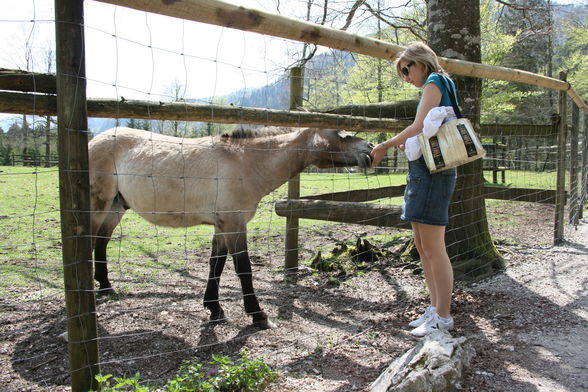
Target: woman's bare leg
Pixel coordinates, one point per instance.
(434, 254)
(426, 265)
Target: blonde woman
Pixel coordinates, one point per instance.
(427, 196)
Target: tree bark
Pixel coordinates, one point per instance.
(454, 32)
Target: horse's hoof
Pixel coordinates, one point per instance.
(264, 324)
(218, 317)
(107, 291)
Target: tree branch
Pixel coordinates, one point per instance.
(407, 26)
(351, 14)
(513, 6)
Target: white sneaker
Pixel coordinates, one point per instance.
(433, 323)
(421, 320)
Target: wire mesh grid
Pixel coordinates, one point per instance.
(156, 319)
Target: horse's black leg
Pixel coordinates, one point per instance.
(103, 236)
(243, 268)
(217, 264)
(100, 268)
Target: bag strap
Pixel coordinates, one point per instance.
(452, 94)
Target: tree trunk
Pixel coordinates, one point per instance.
(454, 32)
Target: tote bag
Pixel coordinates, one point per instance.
(454, 144)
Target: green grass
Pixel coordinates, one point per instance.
(526, 179)
(30, 234)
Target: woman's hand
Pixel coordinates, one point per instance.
(378, 153)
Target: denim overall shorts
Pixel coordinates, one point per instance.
(427, 196)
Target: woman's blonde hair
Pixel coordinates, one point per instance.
(420, 53)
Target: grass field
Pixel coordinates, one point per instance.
(30, 237)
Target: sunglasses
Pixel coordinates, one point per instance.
(406, 69)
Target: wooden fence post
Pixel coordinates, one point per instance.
(291, 261)
(574, 201)
(584, 176)
(560, 189)
(74, 191)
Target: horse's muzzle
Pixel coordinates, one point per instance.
(365, 159)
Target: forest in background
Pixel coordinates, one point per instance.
(533, 35)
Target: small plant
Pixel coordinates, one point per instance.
(122, 384)
(222, 375)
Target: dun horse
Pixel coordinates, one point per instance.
(211, 180)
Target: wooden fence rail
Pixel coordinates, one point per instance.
(346, 207)
(33, 160)
(45, 105)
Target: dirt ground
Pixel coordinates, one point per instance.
(528, 325)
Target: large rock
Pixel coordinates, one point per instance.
(435, 364)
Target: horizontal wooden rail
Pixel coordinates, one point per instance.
(544, 196)
(330, 207)
(518, 130)
(360, 195)
(17, 80)
(342, 211)
(45, 105)
(406, 110)
(228, 15)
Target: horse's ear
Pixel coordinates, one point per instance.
(343, 134)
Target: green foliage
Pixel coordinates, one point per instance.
(532, 25)
(221, 375)
(530, 38)
(369, 79)
(22, 139)
(499, 98)
(121, 384)
(5, 155)
(575, 57)
(374, 80)
(325, 81)
(495, 44)
(411, 24)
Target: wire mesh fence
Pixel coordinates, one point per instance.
(160, 272)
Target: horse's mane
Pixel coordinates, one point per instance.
(250, 133)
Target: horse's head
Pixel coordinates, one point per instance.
(333, 148)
